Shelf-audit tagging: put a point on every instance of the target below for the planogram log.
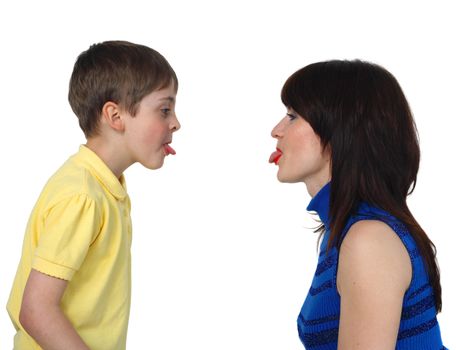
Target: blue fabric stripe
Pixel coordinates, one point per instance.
(321, 288)
(418, 308)
(414, 253)
(311, 340)
(423, 327)
(316, 321)
(325, 265)
(419, 291)
(323, 252)
(399, 228)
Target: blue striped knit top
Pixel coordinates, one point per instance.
(318, 321)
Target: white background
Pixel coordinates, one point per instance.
(223, 254)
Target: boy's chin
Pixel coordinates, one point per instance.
(153, 165)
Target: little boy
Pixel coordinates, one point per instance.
(72, 287)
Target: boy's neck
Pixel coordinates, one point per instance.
(109, 154)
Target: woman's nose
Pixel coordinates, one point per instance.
(277, 131)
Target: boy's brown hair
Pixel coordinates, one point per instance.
(117, 71)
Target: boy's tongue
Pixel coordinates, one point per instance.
(275, 156)
(169, 149)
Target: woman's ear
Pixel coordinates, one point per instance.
(111, 114)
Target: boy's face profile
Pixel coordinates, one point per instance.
(148, 133)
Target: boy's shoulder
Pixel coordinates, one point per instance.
(76, 177)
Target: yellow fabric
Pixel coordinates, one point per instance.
(80, 231)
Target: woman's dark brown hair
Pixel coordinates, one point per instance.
(361, 115)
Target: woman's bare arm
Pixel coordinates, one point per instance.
(373, 274)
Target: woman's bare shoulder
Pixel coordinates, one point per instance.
(373, 250)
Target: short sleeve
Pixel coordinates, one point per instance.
(69, 229)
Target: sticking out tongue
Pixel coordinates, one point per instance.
(275, 156)
(169, 149)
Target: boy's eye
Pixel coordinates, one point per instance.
(165, 111)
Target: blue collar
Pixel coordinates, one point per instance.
(320, 204)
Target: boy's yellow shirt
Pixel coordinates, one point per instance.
(80, 231)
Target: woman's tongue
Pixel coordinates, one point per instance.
(275, 156)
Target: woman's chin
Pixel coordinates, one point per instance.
(284, 178)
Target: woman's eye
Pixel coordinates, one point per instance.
(291, 116)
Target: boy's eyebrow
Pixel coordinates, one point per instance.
(169, 98)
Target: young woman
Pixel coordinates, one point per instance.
(349, 135)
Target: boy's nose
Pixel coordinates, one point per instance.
(175, 125)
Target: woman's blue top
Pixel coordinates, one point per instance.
(318, 322)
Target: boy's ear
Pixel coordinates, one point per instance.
(111, 113)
